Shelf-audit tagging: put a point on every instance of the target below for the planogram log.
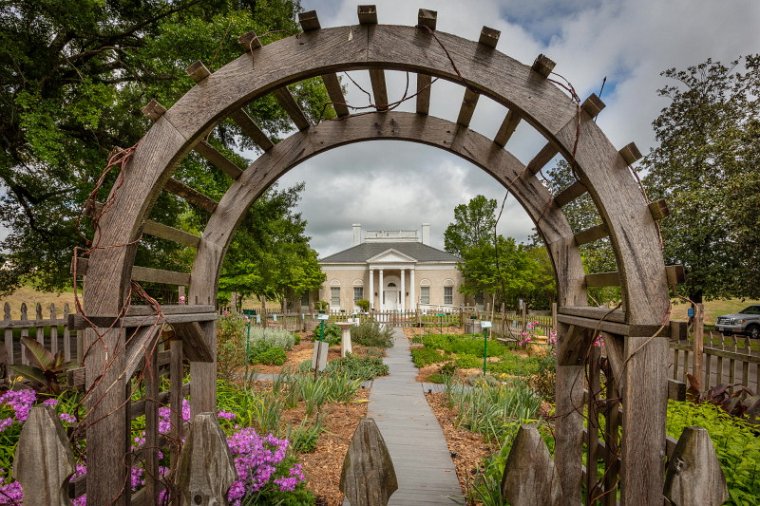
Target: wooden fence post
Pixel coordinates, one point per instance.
(43, 459)
(368, 477)
(530, 478)
(206, 469)
(694, 476)
(699, 347)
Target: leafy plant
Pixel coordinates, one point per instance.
(372, 334)
(48, 369)
(230, 355)
(363, 304)
(333, 334)
(272, 356)
(426, 356)
(356, 367)
(305, 436)
(736, 399)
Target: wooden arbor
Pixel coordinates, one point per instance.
(637, 358)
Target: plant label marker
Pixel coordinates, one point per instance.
(485, 325)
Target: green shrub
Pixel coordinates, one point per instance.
(736, 442)
(363, 304)
(230, 355)
(372, 334)
(426, 356)
(515, 365)
(358, 368)
(304, 437)
(332, 335)
(272, 356)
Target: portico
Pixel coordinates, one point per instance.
(392, 292)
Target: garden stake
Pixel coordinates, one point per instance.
(247, 348)
(485, 349)
(319, 346)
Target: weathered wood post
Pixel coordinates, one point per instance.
(206, 469)
(368, 477)
(694, 476)
(530, 478)
(43, 459)
(699, 347)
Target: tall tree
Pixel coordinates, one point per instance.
(473, 223)
(74, 74)
(706, 166)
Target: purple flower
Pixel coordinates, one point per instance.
(21, 401)
(50, 402)
(5, 423)
(227, 415)
(68, 418)
(11, 493)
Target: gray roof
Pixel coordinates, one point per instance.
(365, 251)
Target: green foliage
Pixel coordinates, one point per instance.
(544, 381)
(261, 411)
(358, 368)
(74, 74)
(363, 304)
(473, 224)
(426, 356)
(305, 436)
(230, 353)
(706, 166)
(322, 306)
(267, 346)
(333, 334)
(736, 442)
(372, 334)
(272, 356)
(489, 407)
(48, 369)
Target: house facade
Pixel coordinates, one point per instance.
(394, 271)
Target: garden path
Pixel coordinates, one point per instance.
(424, 470)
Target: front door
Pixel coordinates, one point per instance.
(391, 297)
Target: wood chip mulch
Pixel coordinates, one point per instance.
(468, 449)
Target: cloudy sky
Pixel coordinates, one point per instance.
(395, 185)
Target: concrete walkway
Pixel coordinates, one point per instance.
(425, 472)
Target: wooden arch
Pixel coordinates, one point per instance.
(568, 127)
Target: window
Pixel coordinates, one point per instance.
(358, 293)
(335, 296)
(424, 295)
(448, 295)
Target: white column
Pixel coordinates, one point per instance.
(412, 296)
(403, 289)
(371, 297)
(380, 301)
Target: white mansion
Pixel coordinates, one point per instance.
(395, 271)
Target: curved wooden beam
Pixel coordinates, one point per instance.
(473, 147)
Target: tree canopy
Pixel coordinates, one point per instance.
(74, 75)
(473, 222)
(707, 166)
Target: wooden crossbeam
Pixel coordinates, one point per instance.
(569, 194)
(309, 21)
(78, 322)
(287, 102)
(543, 66)
(191, 195)
(153, 110)
(676, 275)
(489, 37)
(659, 209)
(332, 84)
(147, 274)
(141, 342)
(593, 105)
(194, 347)
(594, 313)
(591, 234)
(252, 130)
(630, 153)
(249, 41)
(218, 160)
(575, 346)
(367, 14)
(171, 234)
(469, 102)
(423, 93)
(507, 128)
(621, 329)
(198, 71)
(601, 279)
(542, 158)
(379, 90)
(427, 18)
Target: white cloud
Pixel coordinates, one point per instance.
(400, 185)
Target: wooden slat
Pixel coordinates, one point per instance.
(153, 110)
(251, 129)
(569, 194)
(151, 446)
(423, 93)
(507, 128)
(198, 71)
(191, 195)
(489, 37)
(602, 279)
(142, 342)
(367, 14)
(249, 41)
(218, 160)
(193, 338)
(291, 107)
(427, 18)
(659, 209)
(170, 309)
(542, 158)
(332, 84)
(309, 21)
(591, 234)
(611, 327)
(593, 105)
(77, 321)
(171, 234)
(543, 66)
(578, 341)
(469, 102)
(676, 275)
(379, 90)
(147, 274)
(630, 153)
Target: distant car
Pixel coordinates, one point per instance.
(746, 322)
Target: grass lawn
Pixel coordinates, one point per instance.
(713, 308)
